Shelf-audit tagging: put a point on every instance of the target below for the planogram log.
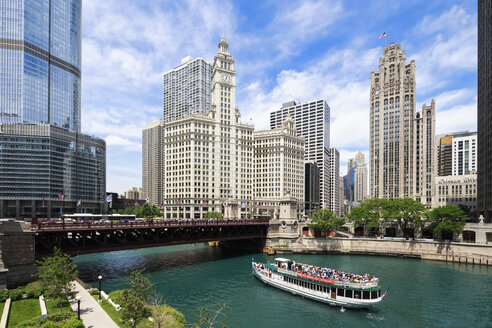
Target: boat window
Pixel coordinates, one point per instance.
(324, 289)
(341, 292)
(374, 294)
(357, 294)
(379, 293)
(349, 293)
(366, 295)
(312, 286)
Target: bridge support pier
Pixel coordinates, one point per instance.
(17, 262)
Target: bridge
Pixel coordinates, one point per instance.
(94, 237)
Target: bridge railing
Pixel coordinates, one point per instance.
(50, 225)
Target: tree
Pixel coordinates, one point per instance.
(450, 218)
(209, 319)
(134, 307)
(56, 274)
(213, 215)
(405, 211)
(325, 220)
(369, 214)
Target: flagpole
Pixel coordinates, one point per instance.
(63, 208)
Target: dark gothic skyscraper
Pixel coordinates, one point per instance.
(484, 192)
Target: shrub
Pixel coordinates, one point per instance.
(34, 290)
(16, 294)
(168, 315)
(4, 294)
(94, 291)
(118, 296)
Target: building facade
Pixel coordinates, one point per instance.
(485, 108)
(47, 171)
(341, 198)
(278, 166)
(425, 154)
(392, 113)
(334, 181)
(153, 163)
(312, 121)
(360, 183)
(209, 157)
(40, 46)
(311, 187)
(48, 166)
(456, 190)
(445, 155)
(187, 89)
(134, 193)
(464, 153)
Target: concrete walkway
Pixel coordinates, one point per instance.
(91, 312)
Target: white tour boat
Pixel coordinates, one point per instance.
(321, 284)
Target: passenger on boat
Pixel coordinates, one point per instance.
(336, 275)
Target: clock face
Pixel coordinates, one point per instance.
(226, 78)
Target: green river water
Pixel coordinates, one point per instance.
(422, 293)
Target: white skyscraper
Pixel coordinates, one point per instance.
(187, 89)
(153, 162)
(464, 153)
(312, 121)
(334, 181)
(209, 156)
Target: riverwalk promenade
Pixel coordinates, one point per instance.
(91, 313)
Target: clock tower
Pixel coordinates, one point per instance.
(224, 84)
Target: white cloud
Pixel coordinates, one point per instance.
(128, 145)
(450, 50)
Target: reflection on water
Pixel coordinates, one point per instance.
(422, 294)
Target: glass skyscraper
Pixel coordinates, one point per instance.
(47, 166)
(40, 49)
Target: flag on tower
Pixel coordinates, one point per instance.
(109, 199)
(79, 202)
(61, 196)
(382, 36)
(205, 202)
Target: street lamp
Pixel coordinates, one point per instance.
(100, 278)
(78, 306)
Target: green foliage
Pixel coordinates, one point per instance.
(141, 285)
(405, 211)
(447, 218)
(210, 318)
(16, 294)
(65, 320)
(118, 296)
(4, 294)
(133, 308)
(56, 274)
(325, 220)
(34, 290)
(94, 291)
(23, 310)
(213, 215)
(134, 301)
(166, 316)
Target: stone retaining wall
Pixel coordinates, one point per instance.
(429, 250)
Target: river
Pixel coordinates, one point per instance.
(422, 293)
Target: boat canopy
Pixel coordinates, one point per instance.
(281, 259)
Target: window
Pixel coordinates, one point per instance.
(341, 292)
(357, 294)
(349, 293)
(366, 295)
(374, 294)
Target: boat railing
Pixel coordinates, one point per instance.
(361, 285)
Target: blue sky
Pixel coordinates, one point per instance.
(284, 50)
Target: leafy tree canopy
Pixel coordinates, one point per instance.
(325, 220)
(56, 274)
(447, 218)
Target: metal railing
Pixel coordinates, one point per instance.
(48, 225)
(362, 285)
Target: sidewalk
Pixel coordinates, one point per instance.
(91, 312)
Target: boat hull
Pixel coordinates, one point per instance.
(277, 281)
